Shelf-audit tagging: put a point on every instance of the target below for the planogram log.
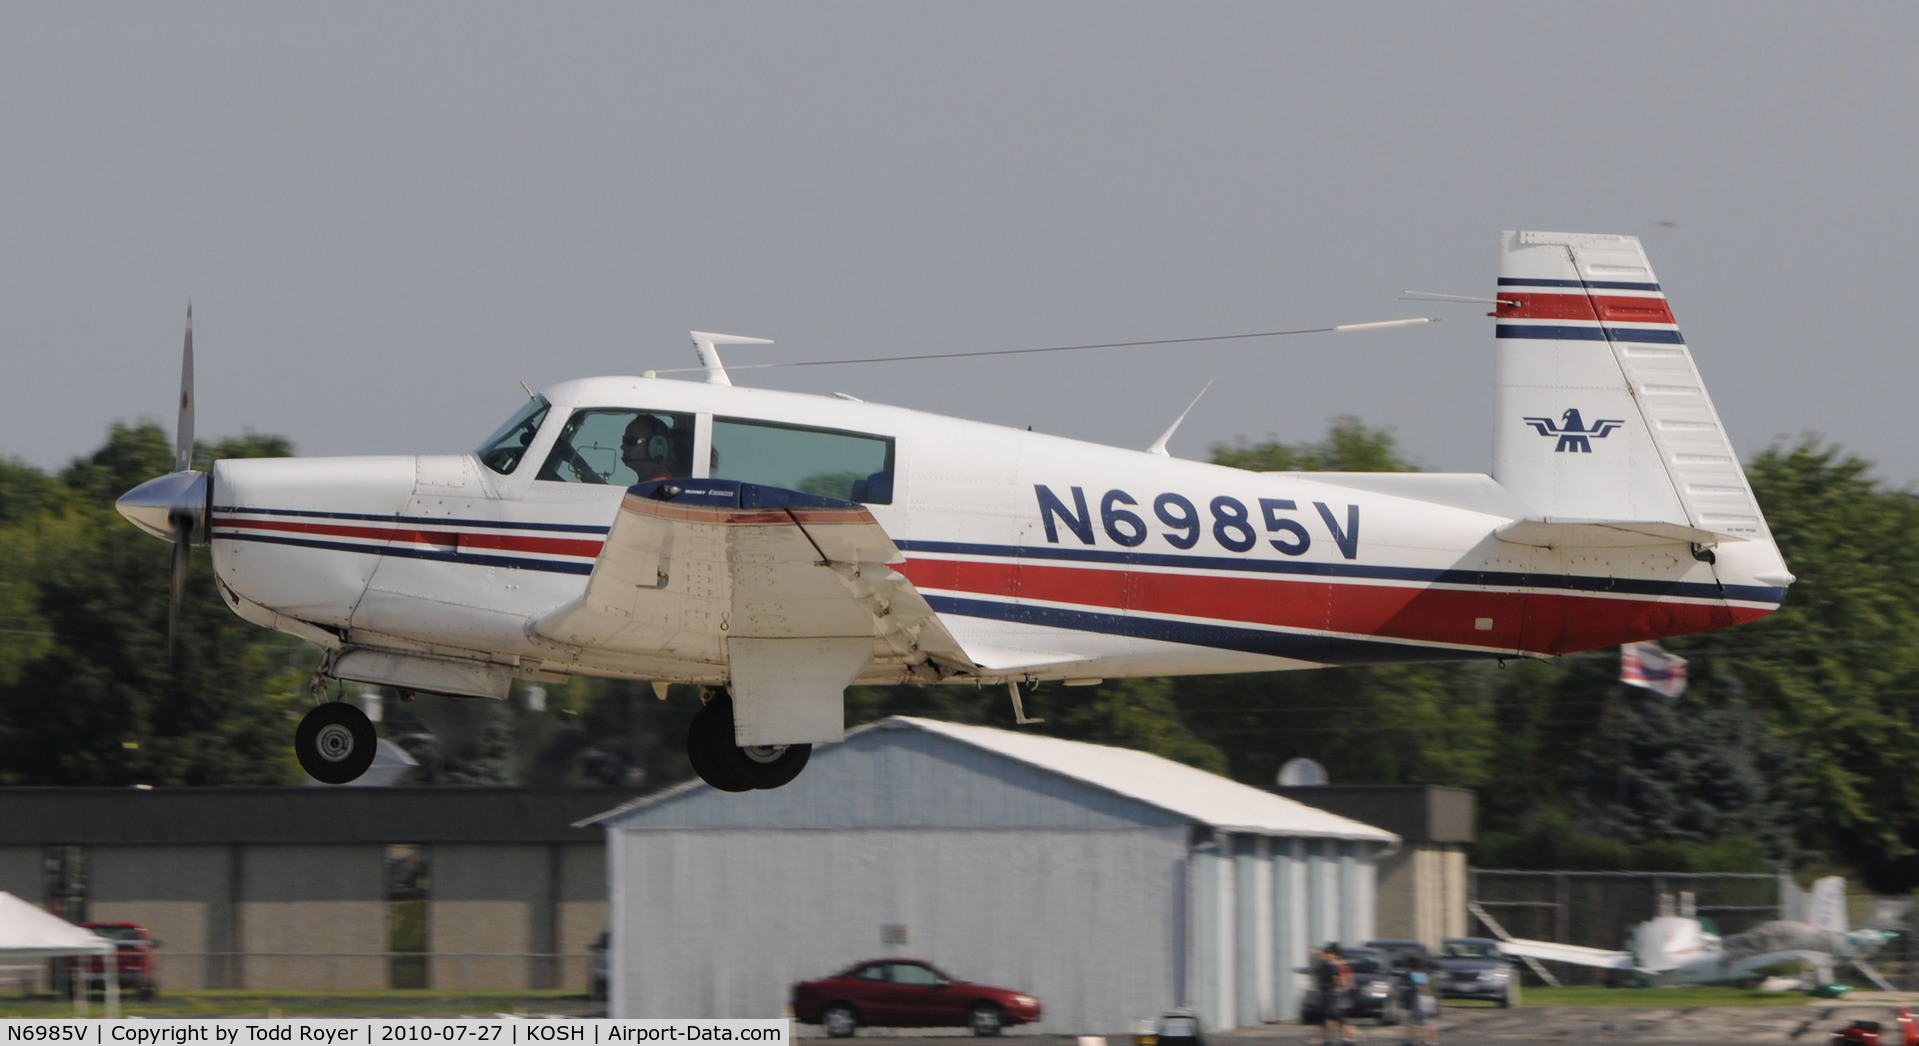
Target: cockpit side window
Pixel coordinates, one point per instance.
(503, 450)
(853, 466)
(621, 446)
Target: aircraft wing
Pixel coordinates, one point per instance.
(1750, 965)
(1568, 953)
(713, 571)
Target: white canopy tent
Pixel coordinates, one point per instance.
(27, 932)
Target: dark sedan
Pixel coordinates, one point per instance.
(1472, 968)
(907, 993)
(1375, 989)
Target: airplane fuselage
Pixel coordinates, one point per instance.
(776, 547)
(1053, 557)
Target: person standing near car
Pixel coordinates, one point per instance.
(1326, 983)
(1420, 1004)
(1334, 978)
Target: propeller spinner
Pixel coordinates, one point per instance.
(175, 506)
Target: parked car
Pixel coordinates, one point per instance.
(1472, 968)
(1375, 989)
(138, 959)
(1401, 953)
(907, 993)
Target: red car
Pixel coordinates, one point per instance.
(138, 959)
(1904, 1032)
(907, 993)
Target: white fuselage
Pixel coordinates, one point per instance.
(1035, 550)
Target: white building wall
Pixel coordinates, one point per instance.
(722, 923)
(1256, 1005)
(1289, 884)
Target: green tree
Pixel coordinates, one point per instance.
(1349, 446)
(102, 700)
(1835, 671)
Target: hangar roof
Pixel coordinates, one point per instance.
(928, 774)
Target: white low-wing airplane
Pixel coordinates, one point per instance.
(776, 547)
(1680, 949)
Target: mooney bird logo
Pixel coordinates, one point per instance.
(1573, 434)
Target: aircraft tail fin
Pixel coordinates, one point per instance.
(1826, 908)
(1600, 413)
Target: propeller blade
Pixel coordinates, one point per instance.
(183, 434)
(181, 550)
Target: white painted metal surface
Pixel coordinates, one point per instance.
(1204, 798)
(1008, 864)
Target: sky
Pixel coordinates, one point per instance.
(388, 215)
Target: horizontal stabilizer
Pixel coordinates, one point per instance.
(1552, 951)
(1544, 533)
(1009, 659)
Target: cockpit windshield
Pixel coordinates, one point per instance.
(503, 450)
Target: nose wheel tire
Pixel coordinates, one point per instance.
(730, 768)
(335, 743)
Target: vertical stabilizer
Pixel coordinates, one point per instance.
(1826, 907)
(1600, 414)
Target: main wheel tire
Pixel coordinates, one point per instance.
(984, 1018)
(335, 742)
(770, 766)
(707, 742)
(725, 765)
(839, 1020)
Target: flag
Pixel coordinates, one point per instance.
(1645, 664)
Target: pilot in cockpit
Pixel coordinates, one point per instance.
(648, 449)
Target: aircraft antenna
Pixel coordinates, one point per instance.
(710, 359)
(704, 343)
(1159, 445)
(1436, 296)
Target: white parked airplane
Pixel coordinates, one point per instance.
(1677, 948)
(777, 547)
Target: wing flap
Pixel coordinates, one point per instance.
(690, 564)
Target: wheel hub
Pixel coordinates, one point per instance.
(764, 753)
(334, 743)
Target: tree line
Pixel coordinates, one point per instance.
(1789, 748)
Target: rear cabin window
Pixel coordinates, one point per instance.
(852, 466)
(621, 446)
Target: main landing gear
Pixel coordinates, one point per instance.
(730, 768)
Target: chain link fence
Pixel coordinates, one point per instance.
(1597, 909)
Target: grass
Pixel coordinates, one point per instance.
(1689, 995)
(294, 1002)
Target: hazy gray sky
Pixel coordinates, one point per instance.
(388, 215)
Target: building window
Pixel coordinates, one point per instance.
(64, 882)
(407, 885)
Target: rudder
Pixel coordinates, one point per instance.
(1600, 412)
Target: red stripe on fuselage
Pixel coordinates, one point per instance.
(1538, 622)
(443, 538)
(1536, 305)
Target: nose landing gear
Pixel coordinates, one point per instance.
(335, 742)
